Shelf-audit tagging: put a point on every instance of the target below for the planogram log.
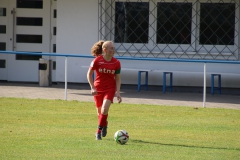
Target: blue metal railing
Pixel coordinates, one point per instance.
(128, 58)
(125, 58)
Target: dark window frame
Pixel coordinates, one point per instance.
(3, 29)
(54, 31)
(27, 57)
(29, 21)
(211, 32)
(54, 65)
(27, 38)
(54, 48)
(3, 63)
(32, 4)
(174, 25)
(54, 13)
(4, 11)
(3, 46)
(126, 13)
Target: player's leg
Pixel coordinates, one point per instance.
(108, 100)
(99, 110)
(105, 106)
(104, 115)
(98, 102)
(98, 134)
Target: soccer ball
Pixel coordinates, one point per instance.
(121, 136)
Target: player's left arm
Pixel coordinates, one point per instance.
(118, 86)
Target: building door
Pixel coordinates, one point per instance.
(3, 38)
(28, 25)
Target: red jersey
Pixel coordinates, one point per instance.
(105, 73)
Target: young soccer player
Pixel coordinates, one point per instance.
(107, 82)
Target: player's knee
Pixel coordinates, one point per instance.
(105, 111)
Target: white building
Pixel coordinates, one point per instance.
(192, 29)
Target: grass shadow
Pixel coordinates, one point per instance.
(182, 145)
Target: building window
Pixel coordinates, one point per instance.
(54, 65)
(54, 13)
(172, 29)
(217, 23)
(131, 22)
(3, 46)
(3, 12)
(29, 21)
(174, 23)
(54, 48)
(2, 63)
(38, 4)
(28, 57)
(24, 38)
(54, 31)
(3, 29)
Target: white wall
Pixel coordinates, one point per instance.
(77, 31)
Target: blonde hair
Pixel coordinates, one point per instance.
(97, 48)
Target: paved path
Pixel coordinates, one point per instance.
(81, 92)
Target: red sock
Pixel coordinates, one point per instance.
(102, 120)
(99, 128)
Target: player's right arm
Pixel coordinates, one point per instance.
(90, 81)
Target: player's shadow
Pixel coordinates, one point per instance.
(182, 145)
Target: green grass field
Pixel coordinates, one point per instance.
(57, 129)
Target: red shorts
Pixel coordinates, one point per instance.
(103, 95)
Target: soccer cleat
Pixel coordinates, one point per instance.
(104, 131)
(98, 136)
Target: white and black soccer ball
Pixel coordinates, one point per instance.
(121, 136)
